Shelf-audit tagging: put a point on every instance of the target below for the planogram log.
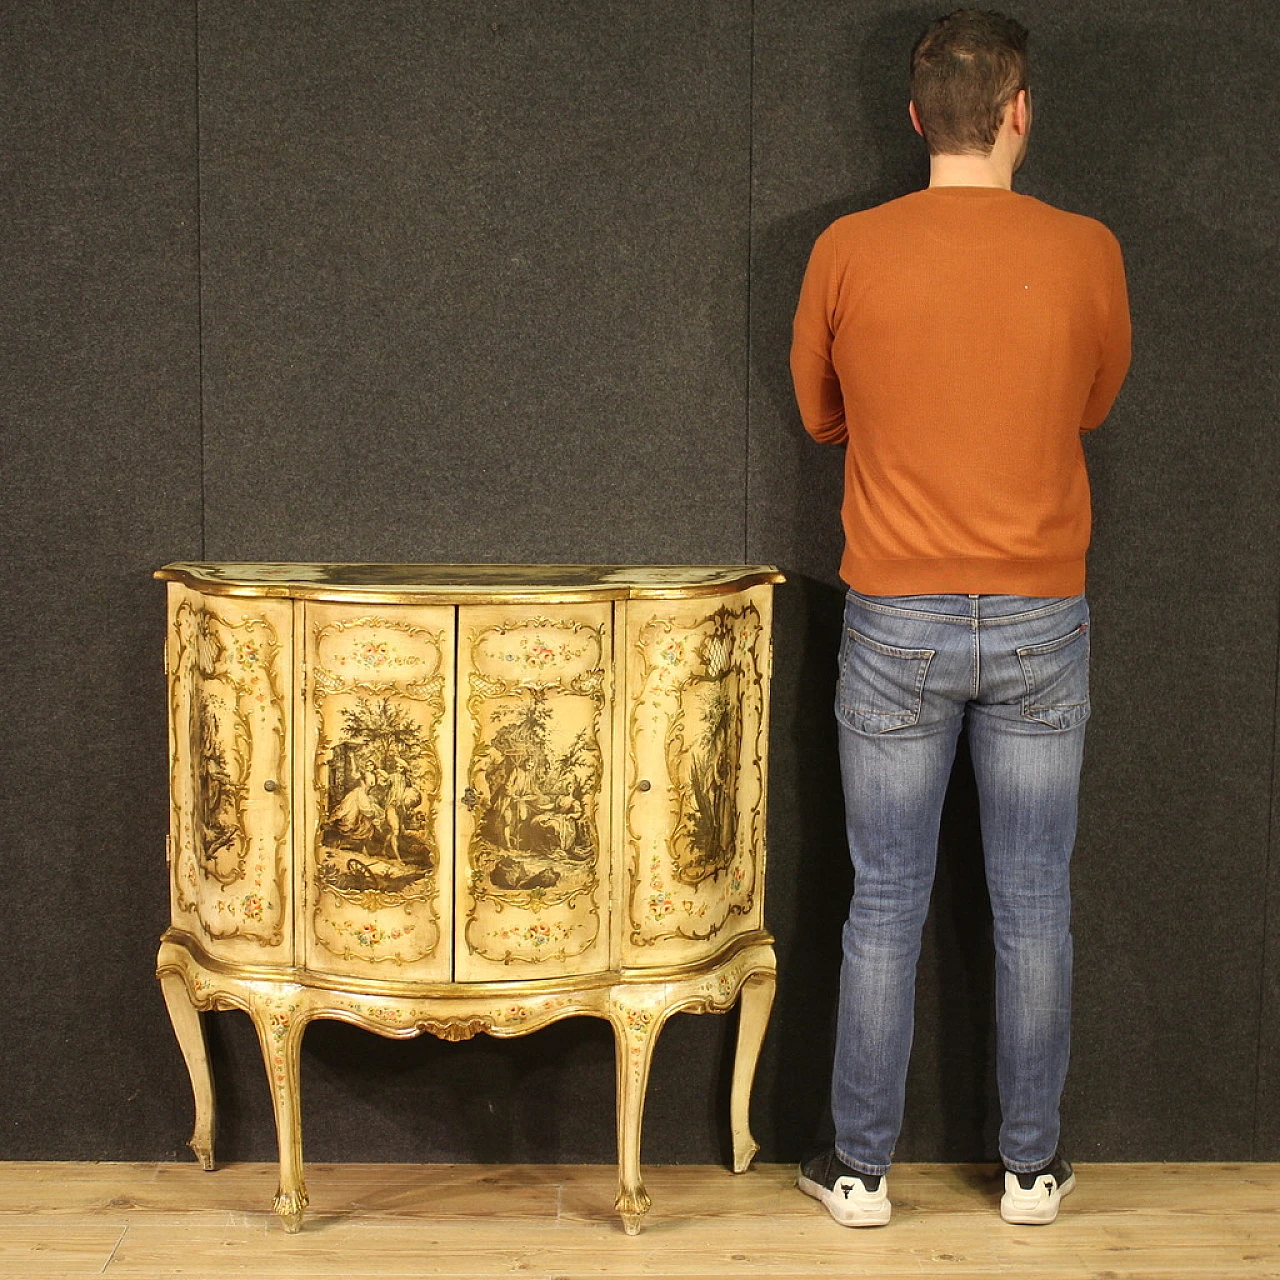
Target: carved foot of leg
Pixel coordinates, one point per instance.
(291, 1206)
(204, 1153)
(744, 1152)
(632, 1204)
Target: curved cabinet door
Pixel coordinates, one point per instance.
(534, 721)
(694, 789)
(377, 774)
(230, 683)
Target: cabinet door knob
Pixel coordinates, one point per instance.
(644, 784)
(271, 785)
(469, 798)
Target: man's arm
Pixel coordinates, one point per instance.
(814, 376)
(1117, 347)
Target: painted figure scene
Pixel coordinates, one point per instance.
(218, 797)
(383, 781)
(534, 803)
(704, 751)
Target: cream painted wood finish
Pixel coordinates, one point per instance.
(467, 798)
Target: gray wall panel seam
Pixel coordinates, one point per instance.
(200, 284)
(751, 183)
(1268, 848)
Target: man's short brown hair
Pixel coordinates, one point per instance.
(964, 70)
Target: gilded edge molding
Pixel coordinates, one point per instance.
(738, 578)
(639, 1005)
(394, 988)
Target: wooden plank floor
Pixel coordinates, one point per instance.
(1211, 1222)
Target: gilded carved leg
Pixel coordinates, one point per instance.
(190, 1033)
(635, 1026)
(280, 1027)
(755, 1002)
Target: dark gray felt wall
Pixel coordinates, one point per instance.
(509, 280)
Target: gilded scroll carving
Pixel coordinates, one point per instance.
(454, 1029)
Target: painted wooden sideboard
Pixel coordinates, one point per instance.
(467, 798)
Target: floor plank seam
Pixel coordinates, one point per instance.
(106, 1265)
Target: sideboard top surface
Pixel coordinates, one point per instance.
(479, 582)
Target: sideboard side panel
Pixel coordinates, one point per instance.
(230, 692)
(694, 795)
(617, 857)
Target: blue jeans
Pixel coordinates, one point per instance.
(913, 671)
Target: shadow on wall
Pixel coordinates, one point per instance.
(952, 1113)
(865, 98)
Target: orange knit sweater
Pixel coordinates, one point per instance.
(959, 340)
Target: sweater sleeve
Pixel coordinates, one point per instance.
(1117, 345)
(812, 373)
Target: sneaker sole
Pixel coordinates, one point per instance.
(1037, 1213)
(846, 1212)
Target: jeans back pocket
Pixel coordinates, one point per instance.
(881, 687)
(1056, 673)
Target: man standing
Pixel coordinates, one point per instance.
(958, 341)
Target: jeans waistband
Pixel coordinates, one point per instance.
(967, 610)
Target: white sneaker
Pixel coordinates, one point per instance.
(1032, 1199)
(853, 1199)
